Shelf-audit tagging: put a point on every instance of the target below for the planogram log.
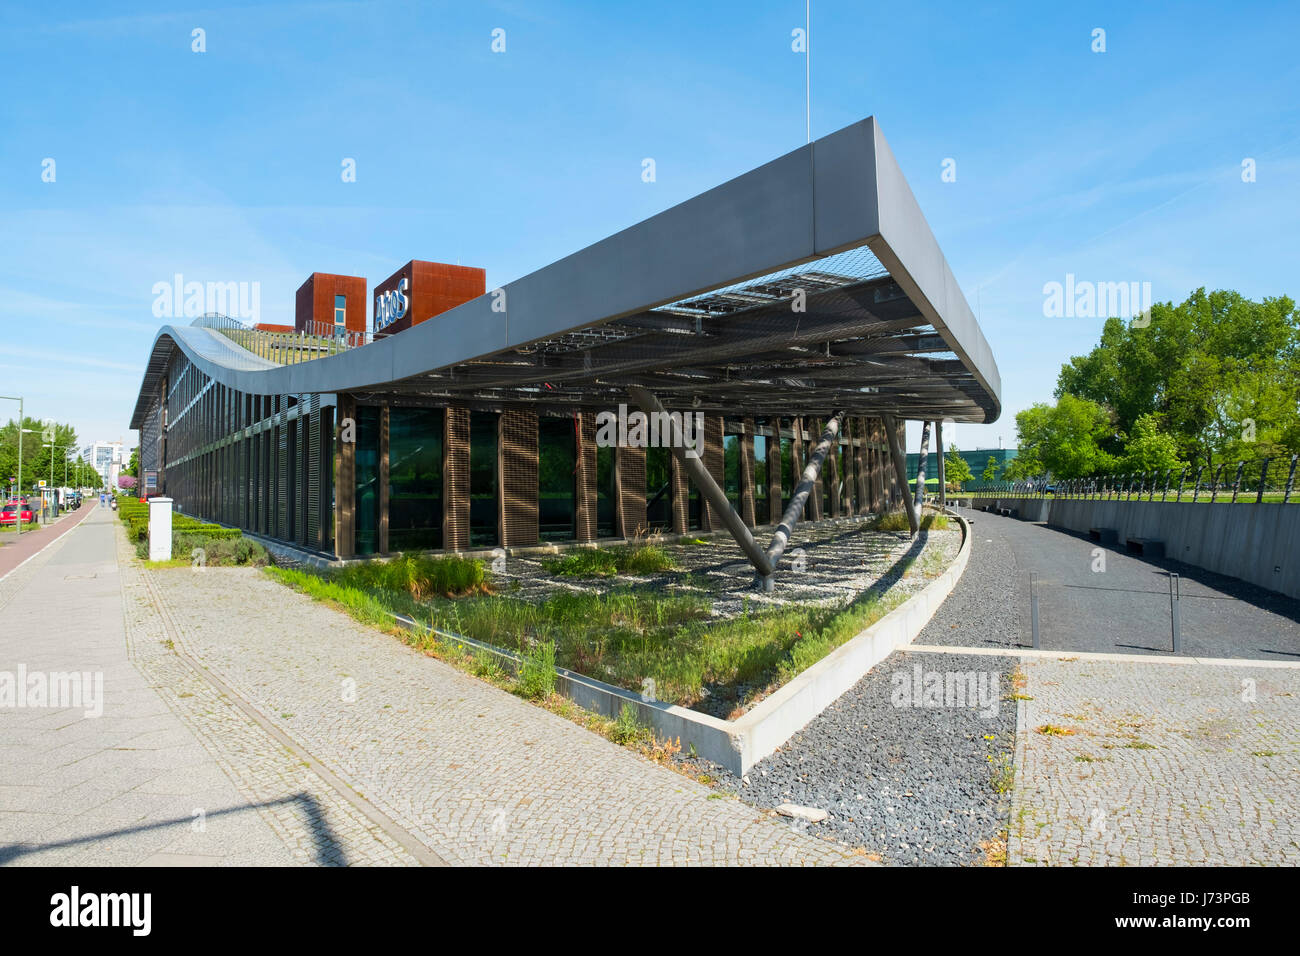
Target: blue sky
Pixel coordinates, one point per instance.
(225, 165)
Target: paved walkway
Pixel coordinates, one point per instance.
(122, 788)
(304, 737)
(1156, 763)
(16, 548)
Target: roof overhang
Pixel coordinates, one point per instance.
(699, 302)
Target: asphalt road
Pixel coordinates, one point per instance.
(1101, 599)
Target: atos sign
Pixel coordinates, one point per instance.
(392, 305)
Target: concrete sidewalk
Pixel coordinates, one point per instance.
(133, 786)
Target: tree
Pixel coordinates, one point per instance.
(1063, 440)
(133, 466)
(1221, 372)
(955, 470)
(126, 482)
(1150, 449)
(991, 468)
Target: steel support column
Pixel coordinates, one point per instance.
(900, 470)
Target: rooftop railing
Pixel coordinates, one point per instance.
(317, 340)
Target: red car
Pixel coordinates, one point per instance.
(11, 515)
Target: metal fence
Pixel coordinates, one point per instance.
(318, 340)
(1270, 479)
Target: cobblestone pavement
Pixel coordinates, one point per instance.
(477, 775)
(1162, 764)
(133, 786)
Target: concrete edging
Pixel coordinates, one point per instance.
(739, 744)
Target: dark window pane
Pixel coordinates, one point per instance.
(557, 484)
(366, 500)
(605, 527)
(415, 479)
(483, 479)
(659, 504)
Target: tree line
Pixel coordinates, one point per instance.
(1214, 379)
(37, 437)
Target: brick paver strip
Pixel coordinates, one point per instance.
(476, 774)
(1167, 764)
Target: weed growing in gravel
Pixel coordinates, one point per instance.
(1051, 730)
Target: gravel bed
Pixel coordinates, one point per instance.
(909, 785)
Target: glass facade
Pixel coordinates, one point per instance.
(340, 312)
(557, 464)
(366, 500)
(483, 479)
(761, 514)
(415, 479)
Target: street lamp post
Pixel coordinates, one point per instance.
(18, 514)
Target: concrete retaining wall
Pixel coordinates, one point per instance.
(1259, 543)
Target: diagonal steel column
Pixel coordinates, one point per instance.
(940, 464)
(811, 472)
(716, 497)
(900, 469)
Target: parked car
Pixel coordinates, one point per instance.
(13, 512)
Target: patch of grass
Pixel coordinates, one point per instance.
(600, 562)
(1266, 753)
(537, 671)
(1140, 745)
(893, 521)
(420, 577)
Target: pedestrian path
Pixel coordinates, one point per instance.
(131, 786)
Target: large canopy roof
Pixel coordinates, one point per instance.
(810, 284)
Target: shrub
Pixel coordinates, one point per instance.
(537, 671)
(221, 550)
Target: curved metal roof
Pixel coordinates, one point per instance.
(698, 303)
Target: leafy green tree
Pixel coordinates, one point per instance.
(955, 469)
(1221, 372)
(1150, 449)
(1063, 440)
(991, 468)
